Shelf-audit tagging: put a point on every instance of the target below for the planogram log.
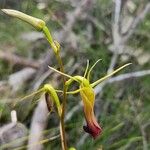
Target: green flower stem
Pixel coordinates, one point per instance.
(64, 102)
(62, 124)
(50, 39)
(56, 48)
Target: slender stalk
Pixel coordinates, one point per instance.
(62, 124)
(56, 50)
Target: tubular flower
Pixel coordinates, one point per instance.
(88, 98)
(86, 90)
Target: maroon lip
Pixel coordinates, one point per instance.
(93, 129)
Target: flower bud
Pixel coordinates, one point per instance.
(38, 24)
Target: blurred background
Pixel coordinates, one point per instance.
(116, 31)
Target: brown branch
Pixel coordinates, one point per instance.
(136, 22)
(66, 33)
(129, 75)
(17, 79)
(85, 5)
(117, 40)
(12, 58)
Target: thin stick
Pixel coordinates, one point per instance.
(62, 124)
(12, 58)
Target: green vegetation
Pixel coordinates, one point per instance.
(122, 108)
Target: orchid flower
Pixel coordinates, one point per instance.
(86, 90)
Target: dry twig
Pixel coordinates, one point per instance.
(39, 122)
(138, 119)
(14, 59)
